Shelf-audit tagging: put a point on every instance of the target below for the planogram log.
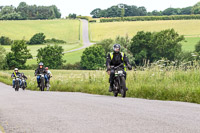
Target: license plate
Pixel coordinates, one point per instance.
(120, 72)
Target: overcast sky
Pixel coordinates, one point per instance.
(84, 7)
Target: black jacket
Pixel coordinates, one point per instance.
(17, 74)
(117, 60)
(40, 71)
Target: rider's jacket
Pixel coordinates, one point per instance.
(115, 59)
(18, 74)
(40, 71)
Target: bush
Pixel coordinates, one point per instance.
(155, 46)
(93, 21)
(93, 58)
(5, 40)
(18, 55)
(54, 41)
(2, 57)
(38, 38)
(76, 66)
(51, 56)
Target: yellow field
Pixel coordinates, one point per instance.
(100, 31)
(67, 30)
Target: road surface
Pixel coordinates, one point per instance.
(62, 112)
(85, 36)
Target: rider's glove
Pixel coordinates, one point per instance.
(129, 67)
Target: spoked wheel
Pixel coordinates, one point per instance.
(42, 85)
(123, 87)
(116, 88)
(17, 86)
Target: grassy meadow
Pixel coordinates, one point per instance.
(67, 30)
(152, 83)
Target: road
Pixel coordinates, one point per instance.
(85, 37)
(64, 112)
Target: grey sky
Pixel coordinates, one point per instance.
(84, 7)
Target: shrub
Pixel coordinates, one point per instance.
(38, 38)
(76, 66)
(93, 58)
(51, 56)
(55, 41)
(5, 40)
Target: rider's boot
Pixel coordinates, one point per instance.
(13, 86)
(38, 85)
(110, 89)
(126, 89)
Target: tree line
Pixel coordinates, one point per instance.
(124, 10)
(29, 12)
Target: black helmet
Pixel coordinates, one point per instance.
(41, 64)
(115, 47)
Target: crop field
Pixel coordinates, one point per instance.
(189, 28)
(152, 83)
(67, 30)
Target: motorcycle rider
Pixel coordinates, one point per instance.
(41, 70)
(25, 78)
(14, 75)
(116, 58)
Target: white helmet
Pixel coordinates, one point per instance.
(16, 69)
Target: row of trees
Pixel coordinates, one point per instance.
(25, 11)
(123, 10)
(51, 56)
(143, 47)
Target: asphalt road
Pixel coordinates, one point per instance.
(85, 36)
(62, 112)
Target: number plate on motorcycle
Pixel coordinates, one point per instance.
(120, 72)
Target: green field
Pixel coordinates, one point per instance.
(67, 30)
(189, 28)
(155, 83)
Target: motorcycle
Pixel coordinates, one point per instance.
(17, 83)
(42, 81)
(119, 85)
(23, 83)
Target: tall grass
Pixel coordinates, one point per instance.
(152, 82)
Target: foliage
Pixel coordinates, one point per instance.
(24, 11)
(73, 16)
(93, 58)
(18, 55)
(51, 56)
(75, 66)
(147, 46)
(38, 38)
(2, 57)
(5, 40)
(151, 18)
(54, 41)
(196, 8)
(197, 48)
(106, 44)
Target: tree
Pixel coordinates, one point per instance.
(96, 13)
(106, 44)
(155, 46)
(38, 38)
(5, 40)
(2, 57)
(93, 58)
(197, 48)
(23, 9)
(186, 11)
(18, 55)
(196, 8)
(51, 56)
(122, 13)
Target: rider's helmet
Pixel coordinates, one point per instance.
(16, 69)
(22, 74)
(116, 48)
(41, 65)
(46, 68)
